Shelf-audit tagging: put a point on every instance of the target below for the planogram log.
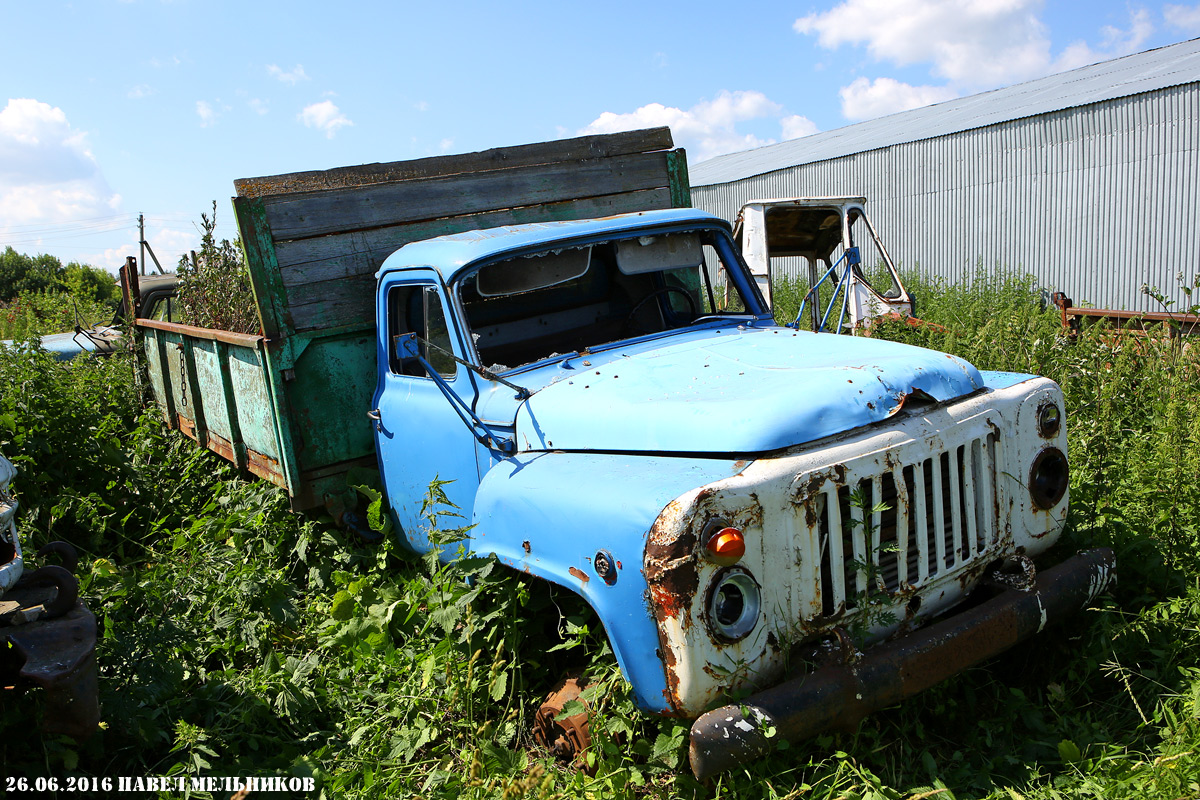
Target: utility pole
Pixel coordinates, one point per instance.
(146, 247)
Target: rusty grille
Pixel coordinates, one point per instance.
(901, 527)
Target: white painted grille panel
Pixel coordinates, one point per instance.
(900, 528)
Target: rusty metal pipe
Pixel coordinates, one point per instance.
(839, 696)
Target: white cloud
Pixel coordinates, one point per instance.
(139, 92)
(421, 106)
(204, 110)
(795, 126)
(974, 42)
(971, 44)
(291, 78)
(1114, 42)
(866, 99)
(324, 116)
(708, 128)
(47, 172)
(446, 144)
(258, 106)
(1186, 18)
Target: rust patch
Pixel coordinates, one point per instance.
(909, 398)
(186, 426)
(667, 604)
(803, 491)
(810, 513)
(972, 573)
(578, 573)
(672, 573)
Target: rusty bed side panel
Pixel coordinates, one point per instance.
(1168, 323)
(213, 387)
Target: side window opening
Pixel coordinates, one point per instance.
(162, 309)
(418, 309)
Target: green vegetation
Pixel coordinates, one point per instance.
(38, 295)
(214, 290)
(239, 639)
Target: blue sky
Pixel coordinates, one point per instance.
(112, 108)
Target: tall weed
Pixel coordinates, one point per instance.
(214, 290)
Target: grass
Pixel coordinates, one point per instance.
(239, 639)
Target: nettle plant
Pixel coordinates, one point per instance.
(214, 289)
(1191, 293)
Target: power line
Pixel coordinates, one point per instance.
(96, 223)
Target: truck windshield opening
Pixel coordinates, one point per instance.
(519, 311)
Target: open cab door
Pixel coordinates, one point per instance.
(851, 279)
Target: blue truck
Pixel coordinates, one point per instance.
(780, 530)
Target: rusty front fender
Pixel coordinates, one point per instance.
(839, 696)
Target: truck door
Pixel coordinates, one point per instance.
(419, 436)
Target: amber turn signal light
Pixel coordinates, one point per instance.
(726, 546)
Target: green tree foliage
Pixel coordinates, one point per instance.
(38, 295)
(21, 274)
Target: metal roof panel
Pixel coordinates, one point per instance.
(1161, 68)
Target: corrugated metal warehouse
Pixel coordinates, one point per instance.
(1087, 179)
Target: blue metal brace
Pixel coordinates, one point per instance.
(408, 347)
(843, 287)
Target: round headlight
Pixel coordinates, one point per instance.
(733, 604)
(1048, 478)
(1049, 420)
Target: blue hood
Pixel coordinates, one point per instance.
(734, 391)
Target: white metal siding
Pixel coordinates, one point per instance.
(1094, 200)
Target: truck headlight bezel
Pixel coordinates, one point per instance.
(1049, 478)
(1049, 420)
(732, 604)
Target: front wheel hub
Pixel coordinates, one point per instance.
(569, 737)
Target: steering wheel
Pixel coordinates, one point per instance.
(691, 301)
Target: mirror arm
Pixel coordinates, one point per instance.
(406, 347)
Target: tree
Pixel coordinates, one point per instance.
(21, 274)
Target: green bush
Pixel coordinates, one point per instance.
(38, 295)
(32, 314)
(214, 291)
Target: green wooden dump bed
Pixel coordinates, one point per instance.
(290, 404)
